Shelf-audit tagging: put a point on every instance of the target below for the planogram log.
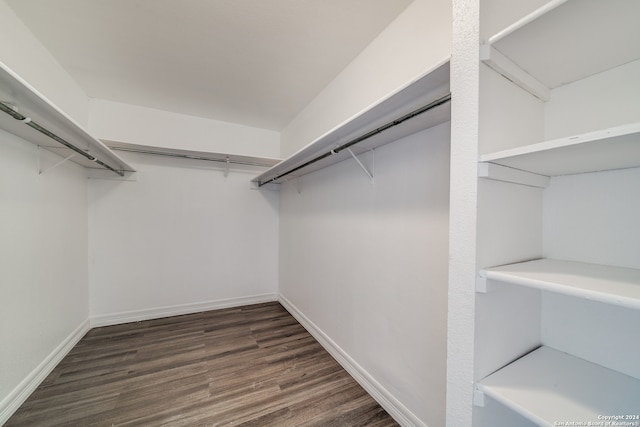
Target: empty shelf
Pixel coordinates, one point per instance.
(614, 148)
(612, 285)
(193, 155)
(550, 387)
(576, 39)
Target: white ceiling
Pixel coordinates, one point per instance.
(253, 62)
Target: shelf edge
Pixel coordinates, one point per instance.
(559, 288)
(567, 141)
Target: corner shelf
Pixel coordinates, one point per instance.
(18, 94)
(612, 285)
(547, 387)
(565, 41)
(608, 149)
(432, 86)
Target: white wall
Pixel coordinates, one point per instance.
(411, 45)
(367, 264)
(608, 99)
(43, 263)
(465, 87)
(25, 55)
(181, 238)
(133, 124)
(593, 218)
(43, 231)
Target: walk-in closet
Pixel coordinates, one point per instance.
(320, 212)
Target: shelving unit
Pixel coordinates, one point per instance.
(547, 52)
(548, 387)
(391, 119)
(611, 285)
(39, 121)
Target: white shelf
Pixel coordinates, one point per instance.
(612, 285)
(563, 42)
(614, 148)
(192, 154)
(548, 386)
(30, 103)
(428, 88)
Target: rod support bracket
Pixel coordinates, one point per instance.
(42, 170)
(366, 171)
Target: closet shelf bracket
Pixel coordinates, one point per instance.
(478, 396)
(368, 172)
(484, 285)
(42, 170)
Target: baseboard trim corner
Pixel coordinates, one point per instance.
(393, 406)
(10, 404)
(177, 310)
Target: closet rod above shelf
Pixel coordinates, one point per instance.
(193, 155)
(418, 105)
(27, 121)
(29, 115)
(443, 100)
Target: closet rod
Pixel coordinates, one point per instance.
(440, 101)
(188, 156)
(27, 121)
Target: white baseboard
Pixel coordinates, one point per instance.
(392, 405)
(177, 310)
(18, 395)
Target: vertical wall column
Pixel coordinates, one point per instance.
(462, 220)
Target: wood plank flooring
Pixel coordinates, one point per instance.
(247, 366)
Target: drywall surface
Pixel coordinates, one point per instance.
(134, 124)
(509, 116)
(598, 102)
(417, 41)
(180, 236)
(600, 333)
(367, 264)
(593, 217)
(465, 89)
(26, 56)
(43, 260)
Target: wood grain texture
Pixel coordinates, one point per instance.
(246, 366)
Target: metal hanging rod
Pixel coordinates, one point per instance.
(347, 145)
(226, 160)
(27, 121)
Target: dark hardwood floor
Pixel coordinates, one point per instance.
(246, 366)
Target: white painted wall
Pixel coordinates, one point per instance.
(43, 230)
(367, 264)
(181, 238)
(25, 55)
(509, 116)
(411, 45)
(43, 263)
(593, 218)
(134, 124)
(601, 333)
(465, 91)
(607, 99)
